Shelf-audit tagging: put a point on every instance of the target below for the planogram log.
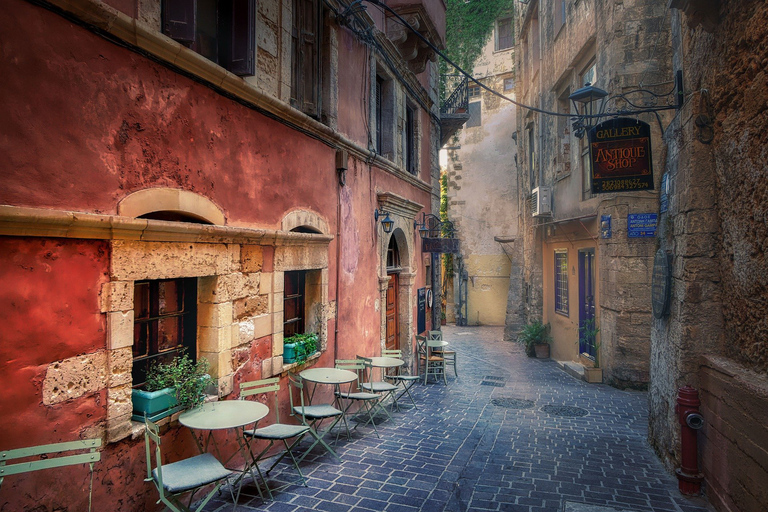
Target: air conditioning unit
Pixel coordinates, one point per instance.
(541, 201)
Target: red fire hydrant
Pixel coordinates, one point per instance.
(689, 478)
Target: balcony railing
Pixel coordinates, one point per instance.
(455, 94)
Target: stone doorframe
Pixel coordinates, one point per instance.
(403, 212)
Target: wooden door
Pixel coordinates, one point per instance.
(393, 325)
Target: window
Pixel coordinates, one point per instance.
(504, 34)
(561, 282)
(475, 114)
(393, 255)
(384, 110)
(589, 76)
(223, 31)
(411, 162)
(509, 84)
(293, 303)
(165, 323)
(559, 15)
(305, 57)
(532, 155)
(586, 171)
(474, 92)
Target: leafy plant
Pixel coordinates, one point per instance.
(305, 345)
(535, 333)
(588, 332)
(188, 378)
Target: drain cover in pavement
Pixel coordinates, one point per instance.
(565, 410)
(513, 403)
(490, 380)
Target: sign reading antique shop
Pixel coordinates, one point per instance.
(440, 245)
(620, 154)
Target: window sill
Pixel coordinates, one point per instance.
(138, 427)
(310, 360)
(561, 313)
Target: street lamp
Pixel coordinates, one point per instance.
(386, 223)
(587, 96)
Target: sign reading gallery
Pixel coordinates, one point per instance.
(620, 154)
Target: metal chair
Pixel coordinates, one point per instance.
(448, 355)
(433, 363)
(274, 432)
(311, 415)
(400, 378)
(367, 399)
(386, 389)
(173, 480)
(50, 456)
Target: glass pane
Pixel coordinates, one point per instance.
(291, 283)
(169, 297)
(168, 333)
(290, 329)
(140, 337)
(141, 301)
(290, 309)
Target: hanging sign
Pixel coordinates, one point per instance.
(620, 154)
(440, 245)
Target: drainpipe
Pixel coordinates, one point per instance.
(342, 159)
(689, 478)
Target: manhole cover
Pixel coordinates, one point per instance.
(567, 411)
(491, 380)
(513, 403)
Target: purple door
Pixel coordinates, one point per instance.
(586, 295)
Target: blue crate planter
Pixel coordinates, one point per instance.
(289, 353)
(154, 404)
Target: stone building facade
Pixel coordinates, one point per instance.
(213, 162)
(482, 184)
(715, 335)
(571, 273)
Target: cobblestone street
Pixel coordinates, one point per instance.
(509, 434)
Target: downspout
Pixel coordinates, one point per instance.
(338, 268)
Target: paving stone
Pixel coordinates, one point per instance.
(459, 452)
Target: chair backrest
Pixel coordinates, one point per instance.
(50, 456)
(353, 365)
(259, 387)
(421, 345)
(435, 335)
(296, 385)
(397, 353)
(368, 372)
(152, 435)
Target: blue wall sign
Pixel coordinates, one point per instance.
(642, 225)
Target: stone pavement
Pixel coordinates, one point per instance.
(509, 434)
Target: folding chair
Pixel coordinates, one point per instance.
(51, 457)
(386, 389)
(448, 355)
(311, 415)
(173, 480)
(405, 379)
(367, 399)
(274, 432)
(433, 363)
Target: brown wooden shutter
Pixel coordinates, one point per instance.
(179, 20)
(238, 36)
(305, 80)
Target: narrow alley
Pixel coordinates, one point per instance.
(511, 433)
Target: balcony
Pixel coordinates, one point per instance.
(454, 107)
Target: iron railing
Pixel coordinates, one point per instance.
(455, 94)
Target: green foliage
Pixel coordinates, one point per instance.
(305, 345)
(535, 333)
(468, 26)
(447, 258)
(188, 378)
(588, 332)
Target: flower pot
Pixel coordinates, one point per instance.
(542, 350)
(153, 404)
(586, 360)
(289, 353)
(593, 375)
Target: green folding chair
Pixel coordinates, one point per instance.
(366, 399)
(175, 479)
(275, 432)
(311, 415)
(50, 457)
(400, 378)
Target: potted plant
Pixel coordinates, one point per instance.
(535, 337)
(170, 387)
(588, 332)
(299, 347)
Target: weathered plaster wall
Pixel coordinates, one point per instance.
(482, 194)
(716, 336)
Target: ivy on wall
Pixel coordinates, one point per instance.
(468, 26)
(447, 258)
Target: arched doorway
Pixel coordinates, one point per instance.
(392, 338)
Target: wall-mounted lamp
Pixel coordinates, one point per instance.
(342, 157)
(432, 227)
(386, 223)
(587, 96)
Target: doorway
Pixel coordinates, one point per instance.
(392, 340)
(586, 296)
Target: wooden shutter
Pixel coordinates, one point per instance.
(179, 20)
(305, 82)
(238, 36)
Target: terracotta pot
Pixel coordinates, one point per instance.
(593, 375)
(542, 351)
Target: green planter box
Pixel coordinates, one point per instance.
(289, 353)
(153, 404)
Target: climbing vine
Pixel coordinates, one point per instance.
(468, 26)
(447, 258)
